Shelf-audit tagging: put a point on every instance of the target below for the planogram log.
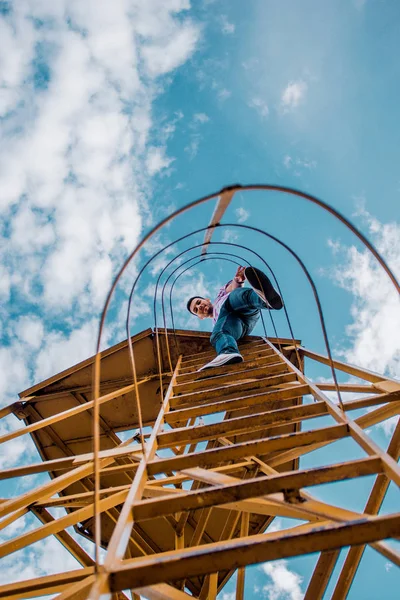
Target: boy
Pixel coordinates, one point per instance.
(235, 312)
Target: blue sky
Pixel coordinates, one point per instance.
(114, 114)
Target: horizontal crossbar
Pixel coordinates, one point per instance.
(254, 488)
(232, 554)
(208, 458)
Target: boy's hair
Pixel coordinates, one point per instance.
(190, 302)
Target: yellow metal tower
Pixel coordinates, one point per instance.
(181, 519)
(187, 501)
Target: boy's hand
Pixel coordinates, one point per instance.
(240, 276)
(237, 281)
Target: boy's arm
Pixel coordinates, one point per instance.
(237, 281)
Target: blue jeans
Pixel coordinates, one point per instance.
(237, 318)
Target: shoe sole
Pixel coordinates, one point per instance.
(262, 286)
(229, 361)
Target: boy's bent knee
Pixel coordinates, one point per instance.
(214, 337)
(217, 334)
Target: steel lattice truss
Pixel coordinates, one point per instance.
(240, 475)
(180, 509)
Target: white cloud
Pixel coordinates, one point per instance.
(79, 147)
(201, 118)
(162, 260)
(306, 163)
(298, 165)
(195, 137)
(192, 147)
(227, 28)
(285, 584)
(27, 564)
(157, 160)
(227, 596)
(293, 95)
(276, 525)
(15, 527)
(287, 161)
(242, 214)
(171, 52)
(74, 172)
(17, 52)
(223, 94)
(334, 245)
(30, 330)
(101, 279)
(14, 372)
(375, 310)
(229, 235)
(250, 64)
(5, 283)
(62, 351)
(389, 425)
(373, 334)
(17, 450)
(16, 569)
(31, 230)
(140, 308)
(260, 106)
(211, 74)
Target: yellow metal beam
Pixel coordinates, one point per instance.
(259, 486)
(224, 200)
(232, 554)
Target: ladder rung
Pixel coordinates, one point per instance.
(256, 351)
(256, 487)
(225, 391)
(243, 424)
(252, 362)
(195, 355)
(208, 458)
(238, 402)
(208, 382)
(211, 353)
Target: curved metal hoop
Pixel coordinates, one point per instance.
(181, 254)
(96, 375)
(278, 241)
(259, 187)
(220, 256)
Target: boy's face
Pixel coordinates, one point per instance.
(201, 307)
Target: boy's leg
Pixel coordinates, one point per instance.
(244, 301)
(227, 330)
(246, 304)
(239, 315)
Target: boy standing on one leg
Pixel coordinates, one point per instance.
(235, 312)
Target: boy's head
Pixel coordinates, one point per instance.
(199, 306)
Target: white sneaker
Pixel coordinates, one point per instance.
(223, 359)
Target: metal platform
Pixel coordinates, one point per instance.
(197, 503)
